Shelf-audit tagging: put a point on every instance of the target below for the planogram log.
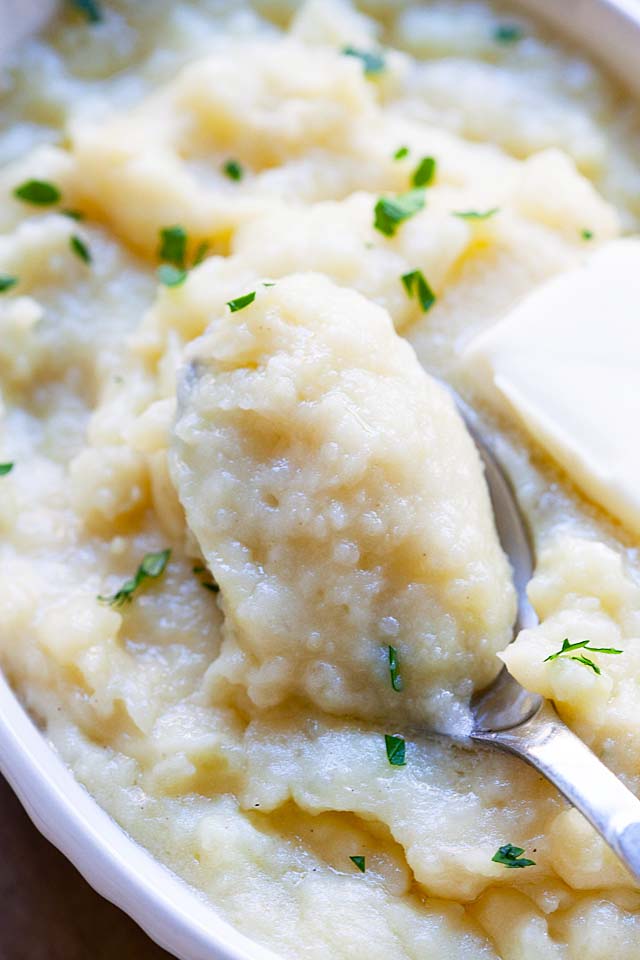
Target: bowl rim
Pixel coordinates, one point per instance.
(171, 912)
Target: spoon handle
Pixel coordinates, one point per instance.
(548, 745)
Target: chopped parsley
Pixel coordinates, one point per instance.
(359, 862)
(510, 856)
(241, 302)
(586, 234)
(38, 192)
(508, 33)
(171, 276)
(476, 214)
(7, 281)
(173, 250)
(401, 153)
(396, 679)
(424, 172)
(201, 251)
(416, 285)
(173, 246)
(73, 214)
(390, 212)
(233, 170)
(5, 468)
(90, 8)
(152, 566)
(373, 63)
(396, 750)
(80, 248)
(581, 645)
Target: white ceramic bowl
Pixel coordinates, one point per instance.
(123, 872)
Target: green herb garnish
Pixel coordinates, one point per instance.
(80, 248)
(90, 8)
(396, 679)
(359, 862)
(171, 276)
(7, 281)
(390, 212)
(424, 172)
(510, 856)
(73, 214)
(508, 33)
(581, 645)
(373, 63)
(476, 214)
(38, 192)
(416, 285)
(201, 251)
(586, 234)
(395, 750)
(5, 468)
(153, 564)
(173, 250)
(233, 170)
(240, 302)
(401, 153)
(173, 246)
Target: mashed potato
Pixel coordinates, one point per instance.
(341, 507)
(245, 541)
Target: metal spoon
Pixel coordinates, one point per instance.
(510, 718)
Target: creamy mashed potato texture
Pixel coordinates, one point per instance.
(247, 553)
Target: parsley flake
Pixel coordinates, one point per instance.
(586, 234)
(201, 251)
(416, 285)
(241, 302)
(390, 212)
(424, 172)
(510, 856)
(359, 862)
(171, 276)
(233, 170)
(38, 192)
(90, 8)
(7, 281)
(173, 246)
(5, 468)
(581, 645)
(508, 33)
(153, 564)
(396, 679)
(396, 750)
(80, 248)
(73, 214)
(373, 63)
(476, 214)
(401, 153)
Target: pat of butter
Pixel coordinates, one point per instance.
(566, 362)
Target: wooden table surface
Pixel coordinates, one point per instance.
(47, 911)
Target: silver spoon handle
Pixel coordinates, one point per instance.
(548, 745)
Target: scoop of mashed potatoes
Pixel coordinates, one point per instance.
(342, 508)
